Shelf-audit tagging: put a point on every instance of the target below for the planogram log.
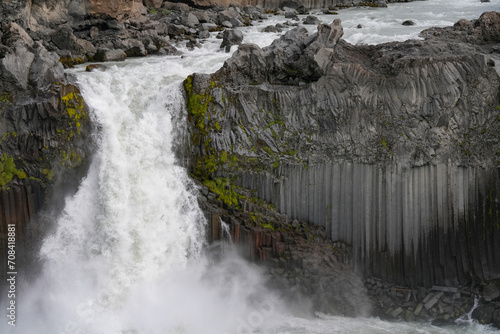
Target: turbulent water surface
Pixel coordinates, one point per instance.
(127, 254)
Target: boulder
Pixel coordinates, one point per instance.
(153, 3)
(491, 292)
(209, 26)
(177, 6)
(236, 23)
(484, 30)
(272, 29)
(484, 314)
(202, 16)
(231, 37)
(110, 55)
(382, 3)
(134, 48)
(64, 39)
(45, 70)
(227, 15)
(118, 9)
(190, 20)
(312, 20)
(250, 62)
(95, 67)
(177, 30)
(15, 67)
(408, 23)
(167, 49)
(13, 34)
(291, 14)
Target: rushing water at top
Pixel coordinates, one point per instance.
(128, 256)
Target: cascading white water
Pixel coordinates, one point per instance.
(126, 256)
(127, 253)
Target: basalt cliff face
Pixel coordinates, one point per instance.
(393, 149)
(44, 136)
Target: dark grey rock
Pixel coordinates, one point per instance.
(95, 67)
(15, 67)
(134, 48)
(110, 55)
(227, 24)
(13, 34)
(227, 15)
(408, 23)
(45, 70)
(313, 20)
(231, 37)
(204, 34)
(64, 39)
(191, 20)
(491, 292)
(272, 29)
(209, 26)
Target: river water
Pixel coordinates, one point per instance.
(127, 255)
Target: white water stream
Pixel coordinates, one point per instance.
(127, 254)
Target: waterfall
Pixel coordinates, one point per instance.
(126, 255)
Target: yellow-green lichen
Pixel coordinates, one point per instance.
(8, 170)
(75, 108)
(70, 158)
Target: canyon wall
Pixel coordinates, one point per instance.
(44, 136)
(392, 148)
(433, 224)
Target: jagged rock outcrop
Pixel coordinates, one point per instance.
(392, 148)
(44, 135)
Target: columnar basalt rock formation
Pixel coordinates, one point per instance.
(392, 148)
(44, 134)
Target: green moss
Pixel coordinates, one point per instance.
(225, 189)
(267, 226)
(268, 150)
(6, 97)
(12, 134)
(49, 173)
(70, 61)
(223, 157)
(383, 142)
(8, 170)
(197, 105)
